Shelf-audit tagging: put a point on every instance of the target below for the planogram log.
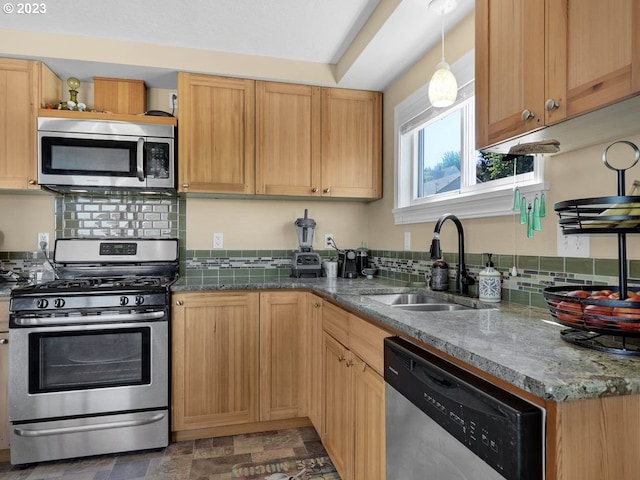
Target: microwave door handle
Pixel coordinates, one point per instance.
(140, 160)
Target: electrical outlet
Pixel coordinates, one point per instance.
(218, 240)
(328, 240)
(43, 238)
(573, 245)
(173, 100)
(407, 240)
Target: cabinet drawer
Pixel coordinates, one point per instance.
(335, 322)
(4, 315)
(366, 340)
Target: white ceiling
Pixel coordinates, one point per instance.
(319, 31)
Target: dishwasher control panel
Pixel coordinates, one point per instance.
(502, 429)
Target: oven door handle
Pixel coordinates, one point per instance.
(84, 319)
(140, 159)
(21, 432)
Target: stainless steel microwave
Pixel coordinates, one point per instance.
(79, 155)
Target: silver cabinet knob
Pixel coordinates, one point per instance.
(32, 182)
(314, 190)
(185, 185)
(179, 303)
(4, 341)
(551, 104)
(327, 190)
(527, 114)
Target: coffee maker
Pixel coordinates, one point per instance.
(347, 264)
(305, 262)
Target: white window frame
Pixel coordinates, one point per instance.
(476, 201)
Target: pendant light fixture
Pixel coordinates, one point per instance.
(443, 87)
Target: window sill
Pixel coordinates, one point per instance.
(466, 205)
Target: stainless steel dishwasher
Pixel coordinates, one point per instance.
(444, 423)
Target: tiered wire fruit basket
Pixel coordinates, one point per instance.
(604, 318)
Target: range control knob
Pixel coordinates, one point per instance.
(139, 299)
(42, 303)
(58, 303)
(124, 300)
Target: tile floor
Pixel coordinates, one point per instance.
(207, 459)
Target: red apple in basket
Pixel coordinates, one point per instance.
(570, 312)
(630, 313)
(578, 293)
(591, 313)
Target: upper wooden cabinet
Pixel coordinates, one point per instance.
(351, 143)
(25, 86)
(120, 95)
(216, 145)
(539, 62)
(309, 141)
(287, 139)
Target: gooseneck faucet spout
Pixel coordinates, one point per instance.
(463, 279)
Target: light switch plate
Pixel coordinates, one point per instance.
(218, 241)
(407, 240)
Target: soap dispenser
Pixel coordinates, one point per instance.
(490, 287)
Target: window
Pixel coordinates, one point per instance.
(438, 169)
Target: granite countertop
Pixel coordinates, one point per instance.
(515, 343)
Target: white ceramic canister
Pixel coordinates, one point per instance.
(490, 283)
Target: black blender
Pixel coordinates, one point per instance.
(305, 262)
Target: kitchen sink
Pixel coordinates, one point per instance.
(432, 307)
(404, 298)
(419, 302)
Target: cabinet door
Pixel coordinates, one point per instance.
(314, 306)
(510, 53)
(287, 139)
(18, 106)
(216, 147)
(284, 355)
(337, 424)
(593, 55)
(215, 354)
(369, 423)
(351, 143)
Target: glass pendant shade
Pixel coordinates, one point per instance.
(443, 87)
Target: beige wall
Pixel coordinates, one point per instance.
(269, 224)
(22, 217)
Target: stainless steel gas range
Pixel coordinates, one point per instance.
(89, 352)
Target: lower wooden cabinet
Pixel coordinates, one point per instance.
(314, 308)
(215, 355)
(337, 424)
(284, 359)
(239, 358)
(353, 421)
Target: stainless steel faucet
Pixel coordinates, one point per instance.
(463, 279)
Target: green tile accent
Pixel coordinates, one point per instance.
(519, 296)
(537, 300)
(528, 262)
(579, 265)
(552, 264)
(634, 268)
(606, 266)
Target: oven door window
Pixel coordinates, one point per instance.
(73, 156)
(62, 361)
